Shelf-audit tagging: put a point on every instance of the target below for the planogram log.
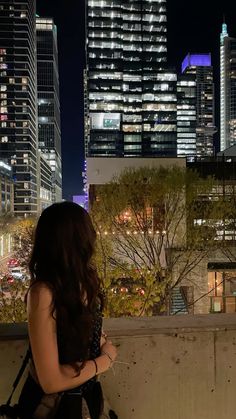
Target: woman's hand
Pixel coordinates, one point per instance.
(110, 350)
(107, 357)
(103, 339)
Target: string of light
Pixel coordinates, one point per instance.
(135, 232)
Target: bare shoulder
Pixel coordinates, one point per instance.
(39, 297)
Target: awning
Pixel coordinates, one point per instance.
(221, 266)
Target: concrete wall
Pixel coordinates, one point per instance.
(101, 170)
(178, 367)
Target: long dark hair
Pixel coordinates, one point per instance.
(62, 258)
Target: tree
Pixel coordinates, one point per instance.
(12, 291)
(12, 300)
(152, 222)
(23, 233)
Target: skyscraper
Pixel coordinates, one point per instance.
(186, 115)
(130, 93)
(227, 89)
(196, 107)
(18, 113)
(49, 131)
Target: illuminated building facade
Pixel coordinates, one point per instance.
(6, 189)
(195, 110)
(130, 94)
(49, 131)
(81, 200)
(186, 115)
(18, 112)
(46, 187)
(227, 89)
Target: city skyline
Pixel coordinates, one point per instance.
(190, 29)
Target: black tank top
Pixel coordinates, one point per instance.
(94, 351)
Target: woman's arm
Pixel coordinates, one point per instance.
(52, 376)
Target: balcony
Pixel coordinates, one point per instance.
(181, 367)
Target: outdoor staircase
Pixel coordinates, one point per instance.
(178, 304)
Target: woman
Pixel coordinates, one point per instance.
(64, 317)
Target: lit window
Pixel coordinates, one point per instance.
(132, 128)
(132, 147)
(108, 121)
(11, 80)
(4, 139)
(24, 80)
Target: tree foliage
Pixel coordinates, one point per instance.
(12, 300)
(23, 233)
(150, 223)
(12, 305)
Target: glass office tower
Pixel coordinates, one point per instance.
(197, 75)
(18, 113)
(186, 116)
(49, 131)
(130, 95)
(227, 89)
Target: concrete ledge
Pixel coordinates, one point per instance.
(147, 326)
(142, 326)
(181, 367)
(13, 331)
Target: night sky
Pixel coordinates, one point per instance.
(192, 27)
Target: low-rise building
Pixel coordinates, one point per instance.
(210, 283)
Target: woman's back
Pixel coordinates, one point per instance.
(64, 327)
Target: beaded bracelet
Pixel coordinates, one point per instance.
(96, 366)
